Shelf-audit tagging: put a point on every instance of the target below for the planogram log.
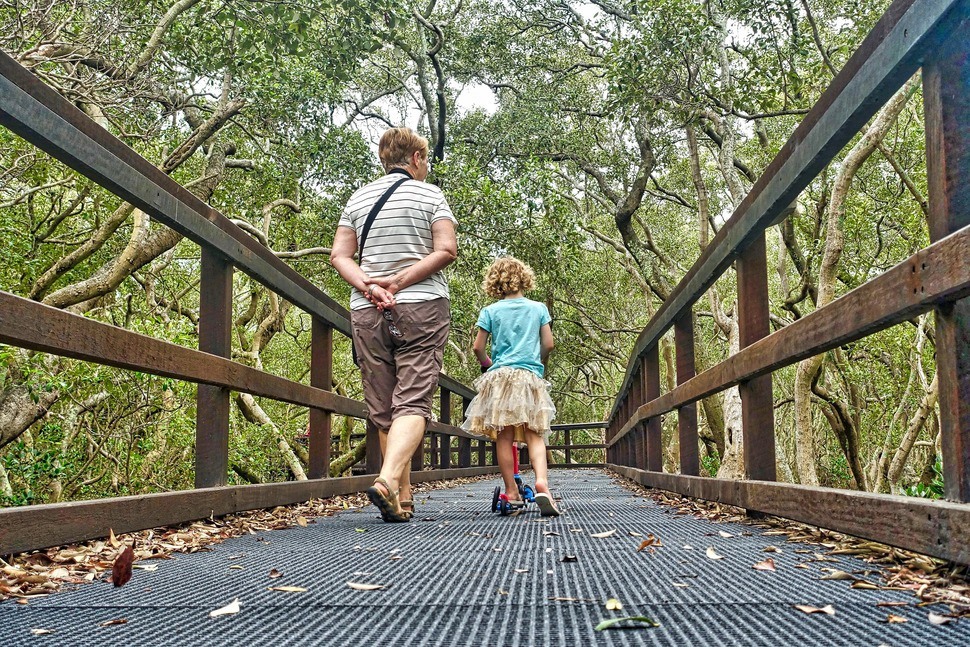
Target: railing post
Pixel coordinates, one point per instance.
(464, 444)
(946, 100)
(651, 376)
(321, 377)
(567, 451)
(481, 452)
(687, 414)
(641, 437)
(445, 418)
(373, 457)
(212, 402)
(757, 407)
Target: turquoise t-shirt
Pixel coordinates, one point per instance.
(514, 326)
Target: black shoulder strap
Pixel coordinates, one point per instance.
(373, 214)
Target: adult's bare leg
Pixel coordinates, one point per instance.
(404, 480)
(402, 440)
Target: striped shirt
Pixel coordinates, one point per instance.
(400, 235)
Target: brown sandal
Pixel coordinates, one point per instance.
(407, 506)
(387, 504)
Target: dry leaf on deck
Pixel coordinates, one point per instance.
(893, 619)
(301, 521)
(605, 534)
(288, 589)
(712, 554)
(827, 609)
(569, 558)
(862, 584)
(229, 609)
(41, 632)
(521, 570)
(112, 539)
(273, 574)
(237, 567)
(613, 605)
(767, 565)
(116, 621)
(726, 535)
(838, 575)
(937, 619)
(121, 570)
(682, 585)
(772, 549)
(358, 586)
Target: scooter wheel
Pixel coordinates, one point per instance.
(505, 508)
(495, 495)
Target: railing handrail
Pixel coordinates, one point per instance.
(889, 55)
(36, 112)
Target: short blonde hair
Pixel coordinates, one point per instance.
(397, 145)
(507, 276)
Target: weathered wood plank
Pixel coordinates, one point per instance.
(687, 414)
(890, 54)
(40, 115)
(215, 337)
(321, 377)
(757, 411)
(935, 275)
(946, 92)
(937, 528)
(32, 325)
(40, 526)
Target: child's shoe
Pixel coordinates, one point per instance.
(547, 507)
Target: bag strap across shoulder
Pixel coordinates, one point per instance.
(373, 214)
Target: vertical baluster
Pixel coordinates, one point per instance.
(946, 100)
(482, 446)
(642, 428)
(567, 451)
(445, 418)
(687, 414)
(757, 412)
(464, 444)
(372, 456)
(651, 373)
(321, 377)
(212, 404)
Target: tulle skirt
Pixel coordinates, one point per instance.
(510, 397)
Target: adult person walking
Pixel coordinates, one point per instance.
(399, 306)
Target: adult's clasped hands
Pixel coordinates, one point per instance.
(379, 293)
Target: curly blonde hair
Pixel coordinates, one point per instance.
(507, 276)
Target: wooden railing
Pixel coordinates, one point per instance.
(37, 113)
(913, 34)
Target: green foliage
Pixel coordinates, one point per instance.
(932, 490)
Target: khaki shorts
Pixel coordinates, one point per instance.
(400, 373)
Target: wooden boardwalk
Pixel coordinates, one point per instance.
(461, 575)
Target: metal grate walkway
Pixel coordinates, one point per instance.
(461, 575)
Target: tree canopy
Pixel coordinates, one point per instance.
(604, 143)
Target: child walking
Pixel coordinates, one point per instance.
(513, 403)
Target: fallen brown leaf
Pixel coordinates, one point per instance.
(893, 619)
(358, 586)
(273, 574)
(116, 621)
(712, 554)
(605, 534)
(767, 565)
(298, 589)
(121, 570)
